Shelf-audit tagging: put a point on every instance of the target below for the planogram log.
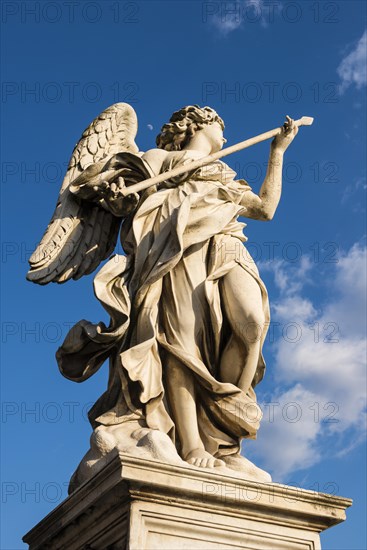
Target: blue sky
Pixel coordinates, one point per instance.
(254, 62)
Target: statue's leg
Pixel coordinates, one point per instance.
(182, 401)
(242, 300)
(181, 391)
(183, 315)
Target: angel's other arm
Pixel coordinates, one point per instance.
(263, 206)
(89, 185)
(99, 183)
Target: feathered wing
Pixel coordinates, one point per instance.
(81, 234)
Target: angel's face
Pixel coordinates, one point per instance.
(214, 134)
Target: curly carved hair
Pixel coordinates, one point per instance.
(183, 124)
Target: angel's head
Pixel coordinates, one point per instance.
(185, 123)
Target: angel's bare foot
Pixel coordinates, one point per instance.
(199, 457)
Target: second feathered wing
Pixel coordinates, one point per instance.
(81, 234)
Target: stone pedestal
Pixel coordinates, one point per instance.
(138, 504)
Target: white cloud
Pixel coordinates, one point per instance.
(350, 284)
(291, 277)
(288, 431)
(233, 15)
(320, 364)
(355, 194)
(353, 68)
(227, 21)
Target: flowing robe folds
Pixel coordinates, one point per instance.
(164, 299)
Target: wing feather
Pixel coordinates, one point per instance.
(81, 234)
(111, 237)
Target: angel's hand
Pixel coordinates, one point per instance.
(102, 190)
(289, 131)
(119, 204)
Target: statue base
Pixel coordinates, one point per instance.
(137, 504)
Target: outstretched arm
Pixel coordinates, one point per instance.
(263, 206)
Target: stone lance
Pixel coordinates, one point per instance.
(304, 121)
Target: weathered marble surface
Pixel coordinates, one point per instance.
(137, 504)
(131, 438)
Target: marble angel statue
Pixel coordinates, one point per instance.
(188, 310)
